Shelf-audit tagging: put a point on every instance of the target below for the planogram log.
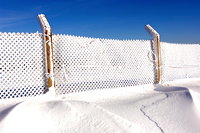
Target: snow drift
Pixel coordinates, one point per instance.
(140, 109)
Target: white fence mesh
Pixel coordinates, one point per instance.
(89, 63)
(180, 61)
(22, 70)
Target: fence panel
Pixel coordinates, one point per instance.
(180, 61)
(88, 63)
(22, 69)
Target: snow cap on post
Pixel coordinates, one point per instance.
(156, 42)
(151, 31)
(47, 36)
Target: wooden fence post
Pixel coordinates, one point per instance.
(156, 42)
(47, 36)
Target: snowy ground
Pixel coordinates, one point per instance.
(173, 108)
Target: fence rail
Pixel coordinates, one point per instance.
(30, 62)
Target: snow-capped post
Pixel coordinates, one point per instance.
(156, 42)
(47, 36)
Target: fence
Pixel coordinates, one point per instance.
(89, 63)
(29, 62)
(180, 61)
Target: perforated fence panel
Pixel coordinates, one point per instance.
(22, 69)
(180, 61)
(88, 63)
(82, 64)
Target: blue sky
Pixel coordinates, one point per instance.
(176, 21)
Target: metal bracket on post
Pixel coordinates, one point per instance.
(156, 41)
(47, 35)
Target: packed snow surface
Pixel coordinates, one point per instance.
(172, 108)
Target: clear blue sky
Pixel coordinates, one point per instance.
(176, 21)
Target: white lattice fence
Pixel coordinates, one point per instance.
(180, 61)
(80, 64)
(21, 64)
(88, 63)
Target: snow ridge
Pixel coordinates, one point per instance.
(154, 103)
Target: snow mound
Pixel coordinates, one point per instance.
(55, 116)
(140, 109)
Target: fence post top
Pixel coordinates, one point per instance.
(41, 15)
(43, 22)
(151, 31)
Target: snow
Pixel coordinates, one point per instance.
(173, 107)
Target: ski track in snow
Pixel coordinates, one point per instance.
(142, 109)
